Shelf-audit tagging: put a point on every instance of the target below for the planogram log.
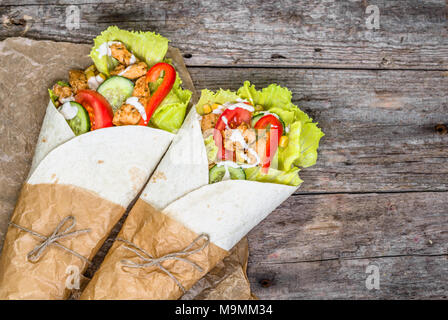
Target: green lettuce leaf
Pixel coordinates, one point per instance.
(269, 97)
(147, 46)
(211, 148)
(170, 114)
(53, 97)
(303, 136)
(290, 177)
(210, 97)
(309, 142)
(303, 141)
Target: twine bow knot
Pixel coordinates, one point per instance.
(58, 233)
(148, 260)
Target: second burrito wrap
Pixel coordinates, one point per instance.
(186, 220)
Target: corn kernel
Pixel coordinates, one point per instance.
(89, 74)
(283, 141)
(91, 68)
(215, 106)
(206, 108)
(259, 107)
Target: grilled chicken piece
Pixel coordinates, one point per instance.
(62, 92)
(119, 52)
(209, 121)
(132, 72)
(78, 80)
(239, 138)
(141, 88)
(126, 115)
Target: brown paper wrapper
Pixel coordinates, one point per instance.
(158, 235)
(41, 208)
(227, 280)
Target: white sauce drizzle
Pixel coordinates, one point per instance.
(219, 110)
(133, 60)
(94, 82)
(241, 105)
(124, 71)
(226, 121)
(68, 111)
(236, 136)
(133, 101)
(104, 49)
(64, 100)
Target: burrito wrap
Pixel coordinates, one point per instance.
(113, 171)
(226, 211)
(158, 235)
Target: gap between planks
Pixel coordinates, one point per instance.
(416, 255)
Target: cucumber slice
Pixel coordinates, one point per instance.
(116, 90)
(81, 122)
(217, 173)
(237, 173)
(255, 118)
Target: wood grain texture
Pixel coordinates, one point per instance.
(378, 194)
(330, 34)
(379, 125)
(318, 246)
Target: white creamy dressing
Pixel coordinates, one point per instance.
(124, 71)
(226, 121)
(104, 49)
(68, 111)
(226, 165)
(94, 82)
(226, 175)
(133, 101)
(241, 105)
(219, 110)
(236, 136)
(64, 100)
(232, 106)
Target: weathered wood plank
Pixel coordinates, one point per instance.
(412, 34)
(347, 226)
(318, 246)
(400, 278)
(379, 125)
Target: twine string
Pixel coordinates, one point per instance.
(148, 260)
(35, 254)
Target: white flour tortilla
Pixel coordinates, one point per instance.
(183, 168)
(54, 131)
(226, 210)
(114, 162)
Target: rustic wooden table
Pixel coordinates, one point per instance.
(378, 195)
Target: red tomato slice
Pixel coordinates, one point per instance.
(273, 138)
(99, 109)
